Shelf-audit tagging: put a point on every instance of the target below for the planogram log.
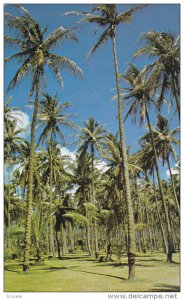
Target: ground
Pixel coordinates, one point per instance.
(81, 273)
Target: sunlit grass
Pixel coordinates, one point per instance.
(82, 273)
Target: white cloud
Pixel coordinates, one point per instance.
(73, 190)
(174, 170)
(66, 151)
(101, 165)
(22, 121)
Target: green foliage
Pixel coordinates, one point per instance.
(76, 218)
(141, 226)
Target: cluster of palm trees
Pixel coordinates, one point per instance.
(109, 208)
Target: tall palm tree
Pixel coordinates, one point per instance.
(141, 94)
(35, 54)
(12, 146)
(91, 137)
(52, 117)
(166, 67)
(109, 19)
(164, 144)
(82, 179)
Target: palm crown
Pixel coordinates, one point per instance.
(109, 19)
(51, 116)
(35, 51)
(166, 67)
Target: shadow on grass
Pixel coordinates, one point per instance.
(151, 259)
(166, 288)
(48, 269)
(101, 274)
(115, 265)
(84, 257)
(158, 260)
(112, 264)
(12, 267)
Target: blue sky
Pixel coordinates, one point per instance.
(92, 95)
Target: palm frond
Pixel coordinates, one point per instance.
(59, 35)
(65, 63)
(101, 41)
(23, 9)
(13, 41)
(22, 71)
(53, 67)
(126, 17)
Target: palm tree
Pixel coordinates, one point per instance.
(35, 54)
(166, 68)
(110, 19)
(164, 144)
(12, 146)
(91, 137)
(82, 179)
(52, 117)
(141, 92)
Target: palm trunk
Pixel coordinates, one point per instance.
(93, 200)
(88, 233)
(172, 181)
(153, 229)
(147, 216)
(51, 231)
(131, 232)
(58, 244)
(8, 209)
(63, 239)
(168, 226)
(159, 217)
(71, 237)
(149, 228)
(27, 240)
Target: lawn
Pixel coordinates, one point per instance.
(80, 273)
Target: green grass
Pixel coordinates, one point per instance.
(81, 273)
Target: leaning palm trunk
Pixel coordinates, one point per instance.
(172, 181)
(170, 249)
(131, 231)
(27, 241)
(51, 231)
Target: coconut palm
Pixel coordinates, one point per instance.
(109, 19)
(141, 94)
(52, 118)
(82, 180)
(35, 54)
(166, 68)
(91, 137)
(55, 175)
(12, 146)
(164, 144)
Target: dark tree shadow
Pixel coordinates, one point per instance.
(108, 275)
(151, 259)
(166, 288)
